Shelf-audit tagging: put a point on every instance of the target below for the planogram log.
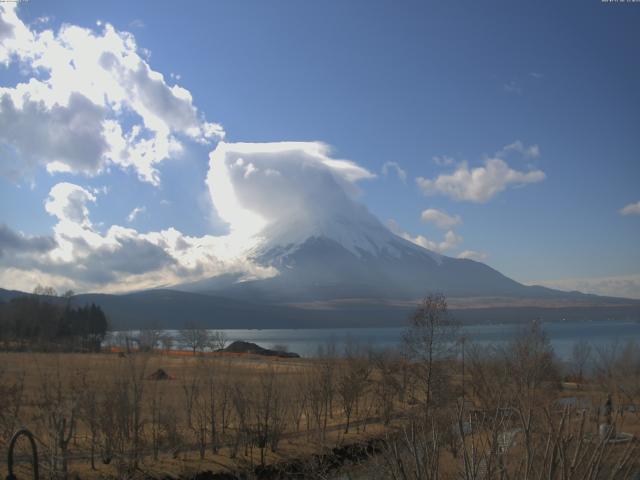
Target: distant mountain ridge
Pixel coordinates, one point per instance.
(174, 309)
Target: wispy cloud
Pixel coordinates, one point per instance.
(473, 255)
(137, 23)
(631, 209)
(513, 87)
(134, 213)
(443, 160)
(531, 151)
(389, 166)
(42, 20)
(627, 286)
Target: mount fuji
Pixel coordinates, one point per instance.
(350, 254)
(348, 269)
(304, 252)
(328, 250)
(335, 250)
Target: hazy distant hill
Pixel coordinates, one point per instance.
(172, 309)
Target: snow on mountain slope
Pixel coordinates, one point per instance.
(350, 254)
(352, 227)
(298, 209)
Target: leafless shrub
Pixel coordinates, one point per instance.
(58, 402)
(581, 354)
(11, 400)
(148, 339)
(194, 337)
(352, 382)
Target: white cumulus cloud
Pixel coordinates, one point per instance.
(91, 99)
(450, 240)
(478, 184)
(78, 256)
(440, 219)
(68, 202)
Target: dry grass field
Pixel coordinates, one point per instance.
(209, 412)
(154, 415)
(424, 413)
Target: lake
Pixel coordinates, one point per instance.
(563, 335)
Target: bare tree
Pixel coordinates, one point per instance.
(316, 402)
(58, 402)
(218, 340)
(325, 365)
(299, 398)
(212, 375)
(269, 412)
(166, 342)
(122, 416)
(580, 357)
(157, 399)
(194, 337)
(149, 339)
(170, 427)
(530, 364)
(137, 373)
(353, 378)
(191, 385)
(89, 414)
(413, 454)
(107, 414)
(200, 401)
(489, 377)
(387, 387)
(240, 398)
(430, 340)
(44, 291)
(223, 391)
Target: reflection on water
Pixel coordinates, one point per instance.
(562, 335)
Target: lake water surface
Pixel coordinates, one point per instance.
(563, 335)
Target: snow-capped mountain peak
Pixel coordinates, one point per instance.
(355, 229)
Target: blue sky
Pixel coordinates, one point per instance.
(387, 82)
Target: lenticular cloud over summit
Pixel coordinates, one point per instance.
(255, 186)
